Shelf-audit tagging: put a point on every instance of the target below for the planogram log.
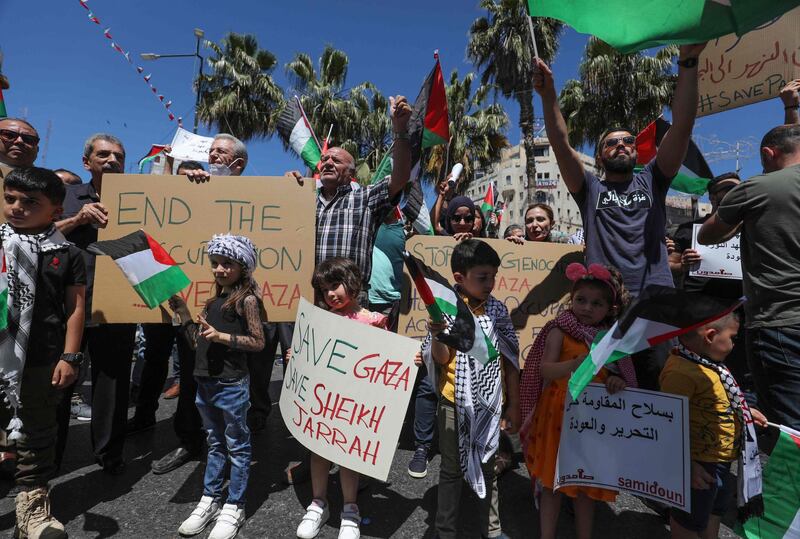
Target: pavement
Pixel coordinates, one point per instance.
(141, 505)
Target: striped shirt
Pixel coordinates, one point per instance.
(348, 223)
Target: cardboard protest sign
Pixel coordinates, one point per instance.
(4, 170)
(722, 260)
(736, 71)
(189, 146)
(274, 212)
(634, 440)
(346, 389)
(531, 282)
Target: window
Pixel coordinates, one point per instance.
(520, 213)
(541, 151)
(538, 175)
(508, 180)
(546, 175)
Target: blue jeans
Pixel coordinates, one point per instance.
(223, 404)
(774, 359)
(425, 405)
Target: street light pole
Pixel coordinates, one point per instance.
(154, 56)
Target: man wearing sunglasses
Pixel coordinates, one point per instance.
(19, 143)
(624, 213)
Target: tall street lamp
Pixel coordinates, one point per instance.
(153, 56)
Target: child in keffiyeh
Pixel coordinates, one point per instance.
(472, 393)
(721, 429)
(40, 335)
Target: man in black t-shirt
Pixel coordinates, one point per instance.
(110, 345)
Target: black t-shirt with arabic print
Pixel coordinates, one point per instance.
(624, 226)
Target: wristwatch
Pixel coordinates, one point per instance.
(75, 359)
(688, 63)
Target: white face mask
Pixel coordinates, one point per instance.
(220, 169)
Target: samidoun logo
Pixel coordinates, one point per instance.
(634, 200)
(652, 488)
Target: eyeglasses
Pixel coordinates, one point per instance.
(7, 135)
(628, 141)
(462, 219)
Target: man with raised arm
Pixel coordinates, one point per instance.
(624, 213)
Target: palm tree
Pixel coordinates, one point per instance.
(500, 45)
(630, 89)
(322, 93)
(477, 130)
(239, 96)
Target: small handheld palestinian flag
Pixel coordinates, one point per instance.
(155, 151)
(781, 492)
(443, 302)
(487, 206)
(154, 275)
(694, 174)
(296, 134)
(659, 314)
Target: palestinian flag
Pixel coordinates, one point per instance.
(3, 113)
(428, 126)
(155, 150)
(781, 492)
(296, 133)
(444, 303)
(498, 210)
(148, 267)
(487, 206)
(659, 314)
(694, 175)
(633, 25)
(3, 292)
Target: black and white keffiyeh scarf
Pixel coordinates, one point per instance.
(21, 253)
(479, 393)
(748, 474)
(237, 248)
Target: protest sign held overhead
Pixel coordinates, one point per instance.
(531, 282)
(188, 146)
(735, 71)
(346, 389)
(612, 441)
(275, 212)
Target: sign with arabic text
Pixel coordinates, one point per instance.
(634, 440)
(735, 71)
(190, 146)
(721, 261)
(346, 389)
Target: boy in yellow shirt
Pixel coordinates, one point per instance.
(720, 429)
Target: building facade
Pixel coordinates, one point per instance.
(517, 193)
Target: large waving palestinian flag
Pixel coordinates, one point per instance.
(148, 267)
(633, 25)
(694, 175)
(659, 314)
(444, 303)
(781, 492)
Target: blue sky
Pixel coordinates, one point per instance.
(62, 70)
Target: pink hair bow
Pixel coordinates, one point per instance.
(577, 271)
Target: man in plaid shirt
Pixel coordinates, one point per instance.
(348, 219)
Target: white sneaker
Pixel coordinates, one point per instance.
(206, 511)
(228, 523)
(313, 520)
(349, 528)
